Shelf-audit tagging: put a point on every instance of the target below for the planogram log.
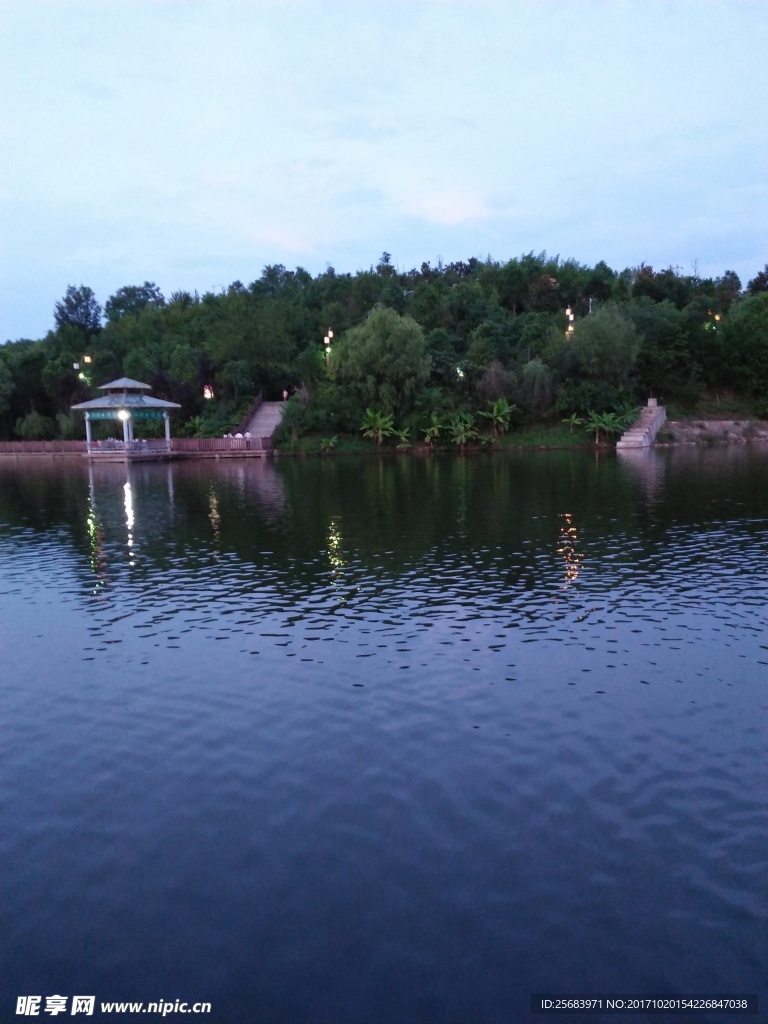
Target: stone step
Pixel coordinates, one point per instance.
(643, 431)
(267, 419)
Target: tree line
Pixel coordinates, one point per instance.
(552, 338)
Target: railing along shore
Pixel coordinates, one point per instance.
(43, 447)
(188, 446)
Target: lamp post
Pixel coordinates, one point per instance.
(327, 342)
(125, 417)
(81, 375)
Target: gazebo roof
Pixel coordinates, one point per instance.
(122, 383)
(124, 393)
(127, 401)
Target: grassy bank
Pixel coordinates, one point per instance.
(536, 436)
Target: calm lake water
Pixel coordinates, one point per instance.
(399, 740)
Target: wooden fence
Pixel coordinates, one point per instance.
(188, 446)
(42, 447)
(221, 444)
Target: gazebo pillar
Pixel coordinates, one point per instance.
(167, 430)
(126, 430)
(88, 431)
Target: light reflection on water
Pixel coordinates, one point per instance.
(385, 740)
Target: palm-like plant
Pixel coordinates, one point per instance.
(594, 422)
(377, 425)
(627, 415)
(462, 428)
(403, 439)
(613, 423)
(500, 416)
(327, 443)
(603, 422)
(433, 430)
(574, 421)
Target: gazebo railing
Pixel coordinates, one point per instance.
(221, 444)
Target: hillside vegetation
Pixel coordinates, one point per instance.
(493, 346)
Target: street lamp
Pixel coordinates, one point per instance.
(81, 375)
(327, 342)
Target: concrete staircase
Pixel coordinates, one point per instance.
(643, 431)
(267, 419)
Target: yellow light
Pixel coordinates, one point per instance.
(86, 359)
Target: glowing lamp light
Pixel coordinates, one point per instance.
(208, 391)
(327, 343)
(87, 359)
(123, 414)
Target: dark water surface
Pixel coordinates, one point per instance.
(385, 741)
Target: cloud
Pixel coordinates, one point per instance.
(447, 207)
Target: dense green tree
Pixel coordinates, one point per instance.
(383, 362)
(606, 345)
(759, 282)
(746, 340)
(130, 300)
(78, 308)
(600, 282)
(6, 387)
(663, 285)
(665, 366)
(727, 289)
(35, 427)
(537, 379)
(236, 377)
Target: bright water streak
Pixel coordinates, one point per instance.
(385, 741)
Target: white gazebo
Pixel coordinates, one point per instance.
(125, 400)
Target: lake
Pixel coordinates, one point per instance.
(385, 740)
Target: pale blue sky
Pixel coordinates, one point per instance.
(190, 143)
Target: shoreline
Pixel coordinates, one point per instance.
(674, 433)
